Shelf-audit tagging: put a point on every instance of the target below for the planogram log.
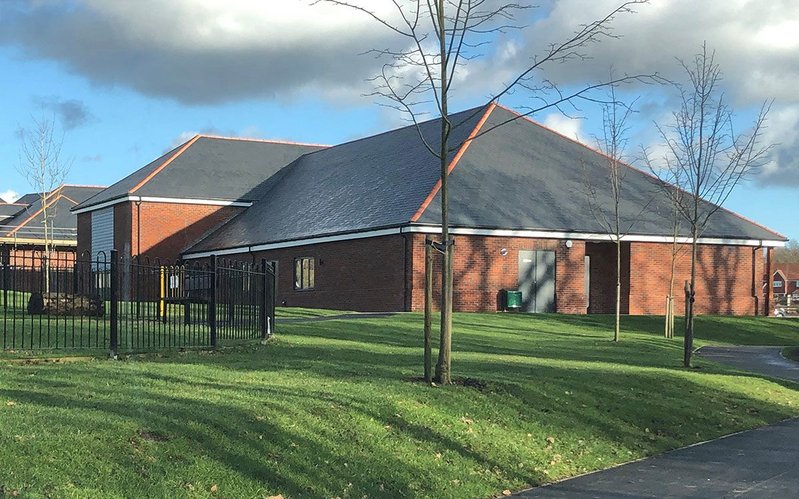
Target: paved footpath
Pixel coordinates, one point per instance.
(761, 463)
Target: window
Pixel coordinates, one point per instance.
(797, 284)
(777, 284)
(304, 273)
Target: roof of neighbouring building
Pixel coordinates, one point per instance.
(27, 223)
(207, 168)
(8, 210)
(519, 176)
(789, 270)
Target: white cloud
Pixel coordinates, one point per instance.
(781, 132)
(209, 51)
(570, 127)
(9, 196)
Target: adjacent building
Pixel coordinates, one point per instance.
(22, 227)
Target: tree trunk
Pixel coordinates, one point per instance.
(46, 266)
(689, 317)
(618, 290)
(443, 367)
(428, 310)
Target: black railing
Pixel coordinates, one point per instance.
(130, 304)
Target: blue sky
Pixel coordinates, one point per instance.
(125, 86)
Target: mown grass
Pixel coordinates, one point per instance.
(333, 409)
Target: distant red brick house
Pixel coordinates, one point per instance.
(785, 280)
(346, 224)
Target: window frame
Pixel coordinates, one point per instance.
(305, 280)
(777, 284)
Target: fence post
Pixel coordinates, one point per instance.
(6, 256)
(114, 304)
(212, 302)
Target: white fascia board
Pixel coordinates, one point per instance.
(587, 236)
(532, 234)
(299, 242)
(150, 199)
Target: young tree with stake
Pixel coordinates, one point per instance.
(436, 39)
(613, 144)
(44, 168)
(705, 158)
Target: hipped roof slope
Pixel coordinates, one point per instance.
(208, 168)
(525, 176)
(375, 182)
(519, 175)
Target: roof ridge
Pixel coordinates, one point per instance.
(385, 132)
(648, 174)
(268, 141)
(85, 186)
(461, 151)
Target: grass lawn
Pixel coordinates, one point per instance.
(328, 409)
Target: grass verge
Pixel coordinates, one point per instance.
(328, 409)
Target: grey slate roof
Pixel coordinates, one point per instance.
(525, 176)
(518, 176)
(65, 222)
(212, 168)
(371, 183)
(8, 210)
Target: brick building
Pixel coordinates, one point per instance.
(346, 225)
(785, 281)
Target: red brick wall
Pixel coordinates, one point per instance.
(603, 278)
(122, 223)
(481, 272)
(29, 256)
(387, 274)
(166, 229)
(85, 234)
(768, 294)
(728, 279)
(362, 275)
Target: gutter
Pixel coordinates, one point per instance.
(432, 229)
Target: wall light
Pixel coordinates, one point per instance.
(503, 251)
(569, 243)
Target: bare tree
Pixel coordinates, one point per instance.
(613, 144)
(788, 254)
(705, 158)
(439, 37)
(44, 168)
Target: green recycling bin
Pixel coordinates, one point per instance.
(513, 299)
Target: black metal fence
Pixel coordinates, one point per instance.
(130, 304)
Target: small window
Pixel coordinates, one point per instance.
(304, 273)
(797, 284)
(777, 284)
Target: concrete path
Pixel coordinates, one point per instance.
(761, 360)
(761, 463)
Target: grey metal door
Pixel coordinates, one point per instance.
(537, 280)
(545, 281)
